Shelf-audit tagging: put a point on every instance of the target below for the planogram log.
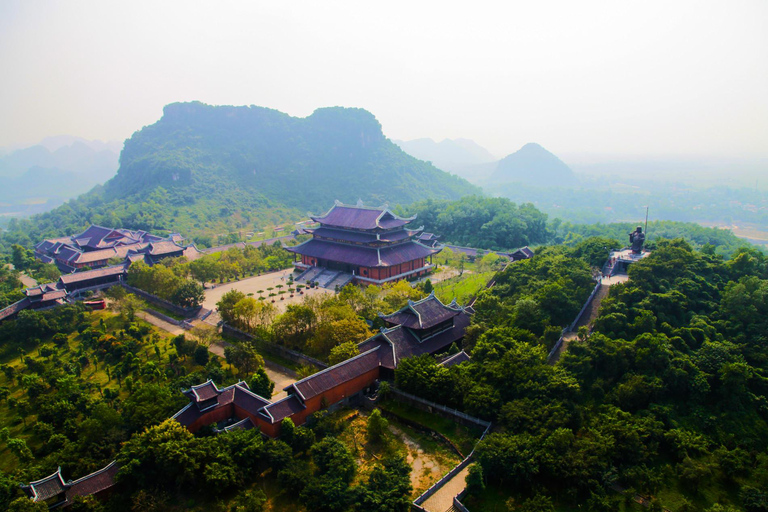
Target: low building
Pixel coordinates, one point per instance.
(55, 492)
(423, 327)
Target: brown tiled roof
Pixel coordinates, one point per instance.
(56, 294)
(329, 378)
(281, 409)
(458, 358)
(101, 255)
(360, 217)
(164, 247)
(14, 308)
(94, 483)
(203, 392)
(423, 314)
(237, 393)
(77, 277)
(46, 488)
(407, 344)
(361, 255)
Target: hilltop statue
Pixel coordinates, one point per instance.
(637, 239)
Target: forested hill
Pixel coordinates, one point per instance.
(216, 169)
(335, 153)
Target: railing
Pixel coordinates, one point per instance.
(187, 312)
(272, 348)
(573, 324)
(446, 410)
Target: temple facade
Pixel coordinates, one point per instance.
(371, 244)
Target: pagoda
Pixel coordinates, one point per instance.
(372, 245)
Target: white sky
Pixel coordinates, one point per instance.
(627, 78)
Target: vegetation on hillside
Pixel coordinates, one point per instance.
(666, 398)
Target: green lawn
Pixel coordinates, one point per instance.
(463, 287)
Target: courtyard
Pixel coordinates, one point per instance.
(251, 286)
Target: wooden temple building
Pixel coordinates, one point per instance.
(55, 492)
(97, 245)
(424, 327)
(373, 245)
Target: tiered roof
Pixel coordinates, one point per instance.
(363, 236)
(423, 314)
(416, 334)
(361, 217)
(207, 396)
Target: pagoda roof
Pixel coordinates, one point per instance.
(363, 256)
(361, 217)
(238, 394)
(423, 314)
(362, 236)
(402, 342)
(46, 488)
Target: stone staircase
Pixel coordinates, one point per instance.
(309, 275)
(325, 277)
(342, 280)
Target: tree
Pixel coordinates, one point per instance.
(27, 505)
(227, 304)
(332, 457)
(261, 384)
(474, 479)
(249, 501)
(343, 352)
(243, 357)
(128, 306)
(189, 295)
(201, 355)
(377, 427)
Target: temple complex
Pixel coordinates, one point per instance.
(424, 327)
(94, 247)
(371, 245)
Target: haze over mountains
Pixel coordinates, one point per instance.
(40, 177)
(220, 168)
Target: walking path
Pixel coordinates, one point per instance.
(281, 376)
(442, 500)
(590, 314)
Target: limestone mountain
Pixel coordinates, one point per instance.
(218, 169)
(533, 165)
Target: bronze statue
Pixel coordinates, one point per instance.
(637, 239)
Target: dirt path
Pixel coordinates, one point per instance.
(168, 327)
(281, 376)
(425, 468)
(442, 500)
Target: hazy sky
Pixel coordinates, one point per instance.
(635, 78)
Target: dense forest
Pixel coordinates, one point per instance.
(666, 398)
